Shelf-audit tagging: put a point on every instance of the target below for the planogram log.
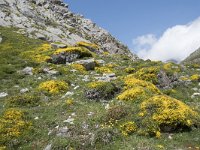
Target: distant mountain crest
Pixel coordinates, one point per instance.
(193, 58)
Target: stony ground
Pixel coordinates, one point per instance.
(92, 100)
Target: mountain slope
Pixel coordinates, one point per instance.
(107, 103)
(193, 58)
(53, 21)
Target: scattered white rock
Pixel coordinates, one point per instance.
(76, 87)
(85, 125)
(64, 129)
(195, 95)
(70, 120)
(49, 133)
(16, 86)
(107, 77)
(90, 113)
(48, 147)
(28, 71)
(86, 78)
(36, 118)
(57, 127)
(89, 64)
(100, 61)
(50, 72)
(39, 78)
(25, 90)
(110, 75)
(1, 39)
(73, 114)
(58, 45)
(107, 106)
(68, 94)
(3, 94)
(73, 70)
(170, 137)
(195, 89)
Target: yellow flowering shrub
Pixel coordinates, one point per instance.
(94, 85)
(86, 44)
(106, 53)
(53, 86)
(148, 74)
(44, 47)
(128, 128)
(40, 54)
(69, 102)
(111, 65)
(103, 69)
(184, 78)
(133, 94)
(171, 67)
(131, 82)
(13, 125)
(163, 111)
(82, 51)
(79, 68)
(3, 148)
(195, 77)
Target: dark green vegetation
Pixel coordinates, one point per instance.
(36, 119)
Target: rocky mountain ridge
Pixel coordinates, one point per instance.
(193, 58)
(52, 20)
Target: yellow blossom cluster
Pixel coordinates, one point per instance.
(137, 90)
(195, 77)
(148, 74)
(133, 94)
(184, 78)
(40, 54)
(106, 53)
(44, 47)
(79, 68)
(103, 69)
(131, 82)
(82, 51)
(128, 128)
(109, 124)
(53, 86)
(111, 65)
(171, 67)
(98, 84)
(12, 125)
(69, 102)
(164, 110)
(86, 44)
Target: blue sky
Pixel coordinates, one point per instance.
(129, 19)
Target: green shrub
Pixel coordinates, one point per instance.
(101, 90)
(24, 100)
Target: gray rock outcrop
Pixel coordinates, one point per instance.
(194, 58)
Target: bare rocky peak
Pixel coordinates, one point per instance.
(53, 21)
(193, 58)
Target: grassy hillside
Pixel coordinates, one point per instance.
(73, 110)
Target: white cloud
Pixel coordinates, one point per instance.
(176, 43)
